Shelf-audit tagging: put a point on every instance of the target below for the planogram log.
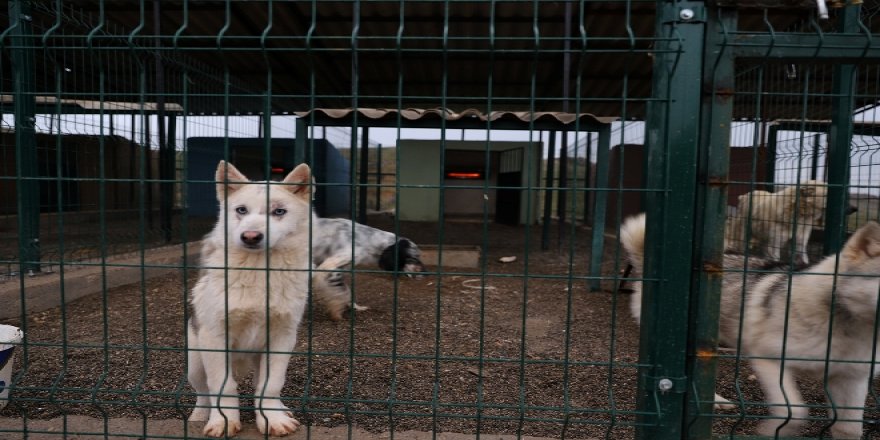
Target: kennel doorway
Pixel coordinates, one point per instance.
(468, 183)
(466, 173)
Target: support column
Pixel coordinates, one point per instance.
(27, 174)
(379, 178)
(588, 174)
(711, 213)
(300, 144)
(770, 166)
(362, 175)
(840, 140)
(548, 191)
(600, 206)
(562, 193)
(672, 131)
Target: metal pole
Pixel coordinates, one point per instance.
(673, 128)
(362, 177)
(23, 71)
(302, 132)
(814, 169)
(840, 139)
(713, 168)
(600, 206)
(379, 178)
(562, 193)
(166, 157)
(770, 173)
(588, 174)
(548, 192)
(148, 168)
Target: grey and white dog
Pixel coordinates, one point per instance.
(337, 243)
(820, 319)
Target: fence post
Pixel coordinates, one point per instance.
(588, 174)
(300, 154)
(27, 182)
(840, 139)
(672, 136)
(548, 191)
(770, 163)
(362, 174)
(378, 177)
(711, 213)
(600, 205)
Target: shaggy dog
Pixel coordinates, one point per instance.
(340, 242)
(821, 320)
(249, 299)
(771, 217)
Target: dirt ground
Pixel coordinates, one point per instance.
(534, 352)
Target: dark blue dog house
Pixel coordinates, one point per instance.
(330, 169)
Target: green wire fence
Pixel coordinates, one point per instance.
(481, 130)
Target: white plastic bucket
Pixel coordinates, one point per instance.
(9, 337)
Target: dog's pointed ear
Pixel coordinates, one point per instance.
(229, 179)
(300, 182)
(864, 243)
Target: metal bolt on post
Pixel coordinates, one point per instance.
(664, 385)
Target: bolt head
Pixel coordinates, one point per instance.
(664, 384)
(686, 14)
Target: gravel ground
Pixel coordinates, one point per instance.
(411, 362)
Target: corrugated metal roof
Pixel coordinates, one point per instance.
(521, 120)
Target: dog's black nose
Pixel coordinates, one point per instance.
(251, 238)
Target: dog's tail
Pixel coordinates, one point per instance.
(632, 237)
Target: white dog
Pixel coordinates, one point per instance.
(771, 216)
(249, 301)
(823, 326)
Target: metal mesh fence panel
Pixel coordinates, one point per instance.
(458, 256)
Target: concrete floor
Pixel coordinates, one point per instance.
(127, 428)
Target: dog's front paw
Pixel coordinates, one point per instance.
(217, 426)
(277, 423)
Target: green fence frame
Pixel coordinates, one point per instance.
(687, 140)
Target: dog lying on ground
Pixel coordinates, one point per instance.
(237, 306)
(771, 217)
(334, 247)
(828, 317)
(332, 251)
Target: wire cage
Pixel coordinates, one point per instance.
(496, 152)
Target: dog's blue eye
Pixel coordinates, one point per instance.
(241, 210)
(279, 212)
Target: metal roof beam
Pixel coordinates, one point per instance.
(799, 46)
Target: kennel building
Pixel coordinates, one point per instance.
(100, 253)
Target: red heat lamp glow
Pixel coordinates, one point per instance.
(277, 170)
(461, 175)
